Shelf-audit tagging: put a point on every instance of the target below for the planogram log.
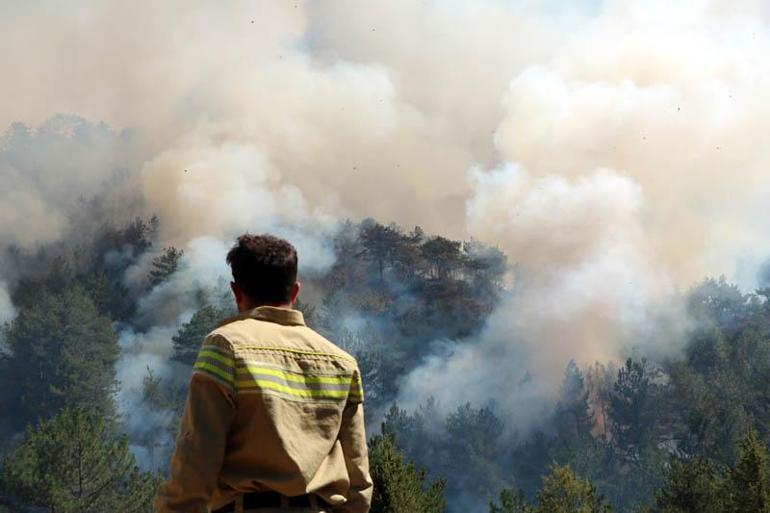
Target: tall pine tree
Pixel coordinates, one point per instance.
(692, 486)
(62, 354)
(187, 341)
(74, 464)
(564, 492)
(399, 487)
(749, 481)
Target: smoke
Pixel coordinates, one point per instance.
(348, 104)
(587, 291)
(144, 355)
(228, 190)
(633, 168)
(614, 150)
(364, 112)
(7, 311)
(49, 172)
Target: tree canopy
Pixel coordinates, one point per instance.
(73, 463)
(61, 354)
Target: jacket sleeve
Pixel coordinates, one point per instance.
(200, 447)
(353, 440)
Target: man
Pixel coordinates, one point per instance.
(274, 416)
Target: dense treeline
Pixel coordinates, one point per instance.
(58, 378)
(619, 427)
(682, 434)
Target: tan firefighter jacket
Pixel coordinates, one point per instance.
(272, 405)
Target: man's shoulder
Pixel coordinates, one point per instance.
(326, 345)
(253, 333)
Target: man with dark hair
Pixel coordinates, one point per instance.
(274, 415)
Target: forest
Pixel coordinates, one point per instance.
(685, 433)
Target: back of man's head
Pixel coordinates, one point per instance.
(264, 268)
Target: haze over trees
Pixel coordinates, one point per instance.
(683, 434)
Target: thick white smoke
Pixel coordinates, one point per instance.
(50, 171)
(146, 355)
(616, 149)
(634, 168)
(587, 289)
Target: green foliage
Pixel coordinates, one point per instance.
(411, 288)
(164, 265)
(380, 244)
(99, 267)
(109, 294)
(399, 487)
(636, 412)
(468, 448)
(54, 276)
(188, 340)
(72, 464)
(631, 406)
(698, 486)
(749, 481)
(115, 248)
(717, 302)
(719, 390)
(574, 442)
(692, 486)
(472, 451)
(389, 294)
(62, 354)
(442, 255)
(564, 492)
(510, 502)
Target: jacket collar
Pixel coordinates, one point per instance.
(285, 316)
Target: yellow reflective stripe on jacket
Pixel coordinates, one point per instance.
(216, 371)
(213, 362)
(260, 377)
(356, 390)
(216, 356)
(261, 384)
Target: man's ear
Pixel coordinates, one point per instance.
(294, 293)
(237, 293)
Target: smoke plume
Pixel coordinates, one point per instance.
(633, 167)
(614, 150)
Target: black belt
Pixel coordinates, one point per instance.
(256, 500)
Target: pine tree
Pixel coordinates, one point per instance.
(473, 452)
(574, 442)
(187, 341)
(510, 502)
(442, 256)
(399, 487)
(692, 486)
(379, 244)
(749, 481)
(62, 354)
(164, 265)
(72, 464)
(564, 492)
(632, 399)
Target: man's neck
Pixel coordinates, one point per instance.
(251, 306)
